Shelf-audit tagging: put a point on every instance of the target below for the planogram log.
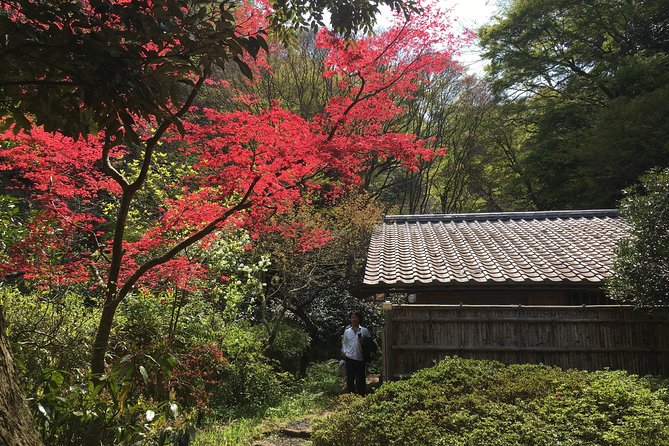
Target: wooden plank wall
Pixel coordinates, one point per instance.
(582, 337)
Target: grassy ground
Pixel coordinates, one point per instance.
(312, 398)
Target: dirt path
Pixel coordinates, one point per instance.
(293, 433)
(298, 432)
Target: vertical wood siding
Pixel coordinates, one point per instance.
(582, 337)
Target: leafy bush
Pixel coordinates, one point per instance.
(51, 335)
(67, 402)
(252, 381)
(640, 275)
(221, 366)
(184, 321)
(173, 358)
(287, 346)
(470, 402)
(48, 333)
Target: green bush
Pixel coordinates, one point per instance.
(288, 346)
(48, 332)
(145, 320)
(469, 402)
(251, 382)
(221, 365)
(174, 357)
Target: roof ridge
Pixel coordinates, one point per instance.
(531, 215)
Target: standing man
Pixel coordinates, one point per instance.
(351, 351)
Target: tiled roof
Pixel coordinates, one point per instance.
(514, 247)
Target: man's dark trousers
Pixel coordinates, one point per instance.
(355, 376)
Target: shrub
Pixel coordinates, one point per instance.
(251, 382)
(198, 375)
(48, 332)
(470, 402)
(288, 346)
(144, 320)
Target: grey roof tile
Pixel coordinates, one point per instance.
(530, 247)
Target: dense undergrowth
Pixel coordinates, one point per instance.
(175, 364)
(468, 402)
(179, 371)
(314, 394)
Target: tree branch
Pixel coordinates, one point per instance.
(192, 239)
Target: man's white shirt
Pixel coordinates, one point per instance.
(350, 344)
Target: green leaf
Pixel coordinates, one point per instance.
(244, 68)
(57, 378)
(145, 375)
(174, 409)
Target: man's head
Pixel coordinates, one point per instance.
(356, 318)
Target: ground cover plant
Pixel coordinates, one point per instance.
(310, 397)
(476, 402)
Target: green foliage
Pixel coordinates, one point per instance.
(184, 320)
(67, 401)
(589, 83)
(252, 382)
(576, 46)
(641, 269)
(10, 227)
(288, 345)
(470, 402)
(48, 333)
(50, 336)
(221, 365)
(173, 359)
(312, 394)
(629, 135)
(321, 382)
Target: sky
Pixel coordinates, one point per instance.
(470, 14)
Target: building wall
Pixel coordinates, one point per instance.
(583, 337)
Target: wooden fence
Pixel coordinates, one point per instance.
(583, 337)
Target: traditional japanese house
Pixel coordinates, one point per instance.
(518, 287)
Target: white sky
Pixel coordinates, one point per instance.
(470, 14)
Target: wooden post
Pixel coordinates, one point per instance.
(387, 347)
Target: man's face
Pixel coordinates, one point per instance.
(355, 320)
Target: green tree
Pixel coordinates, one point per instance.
(591, 77)
(593, 50)
(641, 269)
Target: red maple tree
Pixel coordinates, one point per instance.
(239, 168)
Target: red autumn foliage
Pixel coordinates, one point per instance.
(197, 375)
(264, 163)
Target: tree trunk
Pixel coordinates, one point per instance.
(17, 426)
(96, 427)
